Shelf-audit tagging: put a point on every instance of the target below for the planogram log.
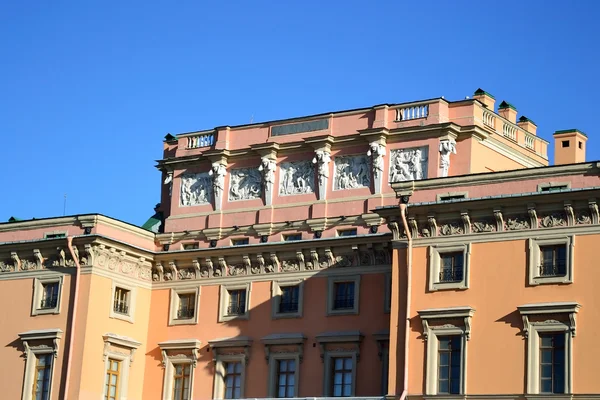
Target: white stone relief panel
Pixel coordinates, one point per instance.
(351, 172)
(196, 189)
(296, 178)
(245, 184)
(408, 164)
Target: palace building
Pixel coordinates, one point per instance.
(417, 250)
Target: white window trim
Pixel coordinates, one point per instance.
(220, 360)
(126, 358)
(224, 301)
(283, 339)
(331, 281)
(276, 286)
(338, 232)
(174, 305)
(431, 334)
(38, 294)
(535, 259)
(190, 346)
(435, 253)
(532, 332)
(32, 350)
(131, 300)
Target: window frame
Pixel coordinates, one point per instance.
(534, 259)
(38, 292)
(331, 282)
(130, 316)
(546, 312)
(276, 292)
(347, 338)
(174, 305)
(286, 340)
(31, 354)
(220, 374)
(286, 237)
(342, 232)
(237, 241)
(110, 372)
(185, 351)
(125, 357)
(328, 365)
(435, 265)
(442, 318)
(224, 301)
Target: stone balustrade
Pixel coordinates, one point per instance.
(198, 141)
(410, 112)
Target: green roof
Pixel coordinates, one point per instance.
(169, 137)
(480, 92)
(525, 119)
(153, 223)
(569, 131)
(14, 219)
(505, 104)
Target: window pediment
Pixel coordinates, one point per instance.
(531, 312)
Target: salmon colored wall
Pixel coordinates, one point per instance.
(38, 233)
(97, 323)
(484, 159)
(128, 237)
(497, 325)
(370, 320)
(12, 367)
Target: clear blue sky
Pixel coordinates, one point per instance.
(88, 89)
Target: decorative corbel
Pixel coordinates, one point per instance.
(89, 251)
(594, 211)
(314, 258)
(195, 356)
(433, 228)
(25, 348)
(196, 266)
(466, 220)
(300, 352)
(275, 262)
(131, 356)
(222, 267)
(322, 351)
(164, 358)
(15, 257)
(56, 345)
(267, 353)
(358, 352)
(246, 355)
(395, 229)
(300, 258)
(329, 257)
(247, 263)
(413, 225)
(260, 260)
(499, 220)
(159, 270)
(62, 258)
(468, 327)
(106, 348)
(525, 325)
(425, 329)
(569, 213)
(573, 319)
(533, 218)
(39, 260)
(173, 268)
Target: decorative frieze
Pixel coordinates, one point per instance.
(196, 189)
(351, 172)
(245, 184)
(296, 178)
(408, 164)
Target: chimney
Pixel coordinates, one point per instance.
(508, 111)
(527, 125)
(487, 99)
(569, 147)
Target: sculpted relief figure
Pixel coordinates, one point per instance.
(447, 147)
(351, 172)
(408, 164)
(267, 167)
(245, 184)
(196, 189)
(322, 158)
(296, 178)
(377, 151)
(218, 172)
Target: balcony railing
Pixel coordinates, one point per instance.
(451, 275)
(412, 112)
(529, 141)
(121, 308)
(509, 131)
(489, 119)
(185, 313)
(195, 142)
(49, 302)
(236, 309)
(553, 269)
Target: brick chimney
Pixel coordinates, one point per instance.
(527, 125)
(508, 111)
(487, 99)
(569, 147)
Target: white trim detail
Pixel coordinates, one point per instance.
(131, 297)
(181, 351)
(38, 291)
(224, 301)
(174, 305)
(435, 257)
(331, 282)
(535, 259)
(126, 358)
(276, 286)
(31, 352)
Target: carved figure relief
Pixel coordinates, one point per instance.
(351, 172)
(196, 189)
(447, 147)
(482, 226)
(218, 172)
(322, 158)
(552, 220)
(408, 164)
(376, 152)
(583, 218)
(451, 229)
(517, 223)
(245, 184)
(296, 178)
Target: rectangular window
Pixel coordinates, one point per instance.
(452, 197)
(341, 385)
(289, 297)
(233, 380)
(191, 246)
(565, 143)
(187, 306)
(181, 381)
(344, 295)
(292, 236)
(552, 363)
(449, 359)
(347, 232)
(240, 242)
(286, 378)
(237, 302)
(451, 268)
(49, 295)
(553, 188)
(553, 260)
(55, 235)
(111, 382)
(41, 384)
(121, 301)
